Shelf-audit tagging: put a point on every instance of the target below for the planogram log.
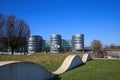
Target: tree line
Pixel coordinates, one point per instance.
(14, 32)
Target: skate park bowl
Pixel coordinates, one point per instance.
(16, 70)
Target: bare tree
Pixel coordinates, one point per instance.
(112, 46)
(13, 32)
(96, 45)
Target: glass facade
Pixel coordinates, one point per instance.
(56, 44)
(66, 45)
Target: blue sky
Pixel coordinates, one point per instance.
(96, 19)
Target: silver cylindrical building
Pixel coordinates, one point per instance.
(55, 40)
(78, 42)
(35, 44)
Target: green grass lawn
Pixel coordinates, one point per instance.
(95, 70)
(92, 70)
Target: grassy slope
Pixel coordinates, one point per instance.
(95, 70)
(49, 61)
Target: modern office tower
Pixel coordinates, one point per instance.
(35, 44)
(55, 40)
(78, 42)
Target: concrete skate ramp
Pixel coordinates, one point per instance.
(12, 70)
(86, 57)
(70, 62)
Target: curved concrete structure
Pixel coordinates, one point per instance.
(15, 70)
(7, 62)
(70, 62)
(23, 71)
(86, 57)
